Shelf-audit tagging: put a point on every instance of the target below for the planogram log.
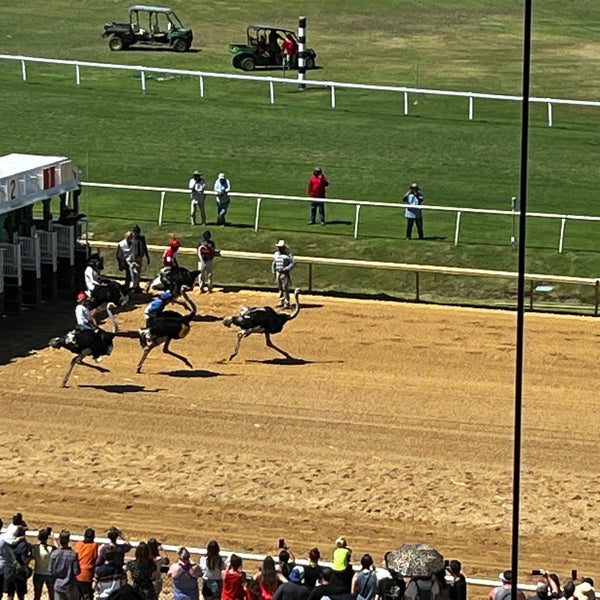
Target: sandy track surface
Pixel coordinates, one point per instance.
(394, 425)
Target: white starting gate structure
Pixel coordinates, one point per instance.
(39, 253)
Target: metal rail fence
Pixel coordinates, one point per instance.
(271, 81)
(357, 204)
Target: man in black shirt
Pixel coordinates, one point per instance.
(326, 587)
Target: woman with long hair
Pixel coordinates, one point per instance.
(268, 578)
(212, 565)
(143, 572)
(161, 562)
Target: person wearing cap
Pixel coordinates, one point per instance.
(197, 186)
(92, 272)
(294, 589)
(316, 189)
(283, 263)
(139, 252)
(87, 553)
(503, 591)
(222, 188)
(207, 251)
(154, 309)
(83, 316)
(413, 214)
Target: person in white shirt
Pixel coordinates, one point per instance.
(83, 316)
(197, 185)
(222, 189)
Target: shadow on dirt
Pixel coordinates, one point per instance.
(191, 373)
(125, 388)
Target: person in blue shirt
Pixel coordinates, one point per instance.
(413, 214)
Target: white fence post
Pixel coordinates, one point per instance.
(356, 216)
(201, 86)
(470, 108)
(457, 228)
(405, 103)
(161, 209)
(271, 93)
(257, 215)
(143, 74)
(561, 242)
(333, 96)
(23, 70)
(549, 114)
(77, 76)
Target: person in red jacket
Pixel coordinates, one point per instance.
(316, 189)
(289, 48)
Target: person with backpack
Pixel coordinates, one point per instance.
(364, 582)
(503, 592)
(422, 588)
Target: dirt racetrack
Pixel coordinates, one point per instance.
(394, 425)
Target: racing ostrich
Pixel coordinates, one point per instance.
(261, 319)
(174, 279)
(98, 343)
(170, 325)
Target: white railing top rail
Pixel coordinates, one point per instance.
(193, 550)
(373, 264)
(454, 209)
(313, 82)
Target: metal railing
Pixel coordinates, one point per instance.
(533, 279)
(271, 81)
(357, 204)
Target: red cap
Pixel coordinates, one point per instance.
(81, 297)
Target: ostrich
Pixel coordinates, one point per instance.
(109, 292)
(174, 279)
(261, 319)
(170, 325)
(96, 343)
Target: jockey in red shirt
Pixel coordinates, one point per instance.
(169, 257)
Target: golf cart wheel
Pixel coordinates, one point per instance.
(116, 43)
(181, 45)
(247, 64)
(310, 63)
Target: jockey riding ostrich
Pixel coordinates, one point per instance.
(167, 326)
(101, 290)
(261, 320)
(88, 342)
(172, 276)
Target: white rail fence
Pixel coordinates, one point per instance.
(357, 204)
(271, 81)
(311, 261)
(258, 558)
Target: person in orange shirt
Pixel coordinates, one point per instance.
(87, 552)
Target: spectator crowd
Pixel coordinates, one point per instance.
(118, 570)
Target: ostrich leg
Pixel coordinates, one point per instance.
(76, 361)
(272, 345)
(145, 353)
(179, 356)
(240, 335)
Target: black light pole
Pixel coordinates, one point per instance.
(521, 298)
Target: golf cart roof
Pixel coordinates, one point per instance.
(158, 9)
